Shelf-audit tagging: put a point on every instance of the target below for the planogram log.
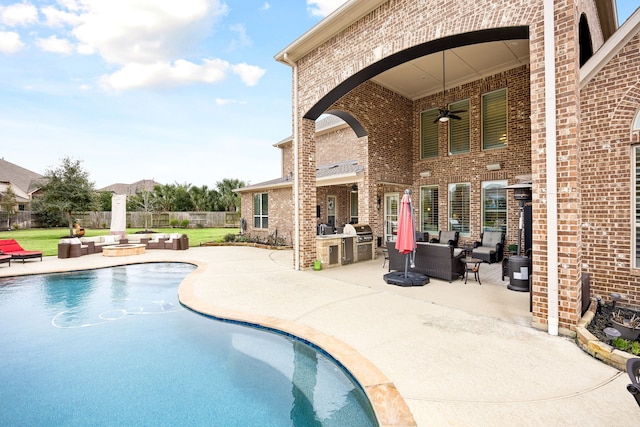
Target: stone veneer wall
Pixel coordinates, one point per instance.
(609, 104)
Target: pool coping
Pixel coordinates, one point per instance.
(389, 406)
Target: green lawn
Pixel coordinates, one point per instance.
(46, 239)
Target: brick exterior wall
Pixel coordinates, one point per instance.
(338, 145)
(609, 104)
(589, 140)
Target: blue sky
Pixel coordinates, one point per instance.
(177, 91)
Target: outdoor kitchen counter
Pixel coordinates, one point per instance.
(334, 250)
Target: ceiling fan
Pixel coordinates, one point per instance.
(443, 113)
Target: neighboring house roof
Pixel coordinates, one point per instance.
(25, 180)
(610, 48)
(136, 187)
(331, 174)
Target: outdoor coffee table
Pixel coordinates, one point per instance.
(472, 265)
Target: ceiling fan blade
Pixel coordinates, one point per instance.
(453, 116)
(457, 111)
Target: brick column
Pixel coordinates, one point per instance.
(306, 192)
(567, 171)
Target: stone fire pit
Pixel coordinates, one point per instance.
(123, 250)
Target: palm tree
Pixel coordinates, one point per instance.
(229, 200)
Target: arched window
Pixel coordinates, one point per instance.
(586, 47)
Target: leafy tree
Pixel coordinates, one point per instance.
(182, 201)
(203, 198)
(104, 200)
(8, 203)
(229, 200)
(67, 190)
(164, 197)
(145, 202)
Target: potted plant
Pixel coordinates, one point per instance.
(629, 328)
(513, 249)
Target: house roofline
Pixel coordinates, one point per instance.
(338, 20)
(610, 48)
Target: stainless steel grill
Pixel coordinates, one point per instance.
(364, 240)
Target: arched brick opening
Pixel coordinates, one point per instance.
(458, 40)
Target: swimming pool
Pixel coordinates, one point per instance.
(114, 347)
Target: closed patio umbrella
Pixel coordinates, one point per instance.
(406, 237)
(406, 244)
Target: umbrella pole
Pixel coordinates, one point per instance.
(406, 265)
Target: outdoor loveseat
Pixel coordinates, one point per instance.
(437, 260)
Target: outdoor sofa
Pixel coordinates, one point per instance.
(438, 260)
(75, 247)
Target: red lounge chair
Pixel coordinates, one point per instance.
(13, 248)
(5, 258)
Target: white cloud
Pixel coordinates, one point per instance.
(323, 8)
(133, 76)
(241, 38)
(10, 42)
(250, 74)
(18, 14)
(55, 45)
(58, 18)
(143, 31)
(265, 6)
(221, 102)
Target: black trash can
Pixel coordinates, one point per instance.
(519, 269)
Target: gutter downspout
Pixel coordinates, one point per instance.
(296, 188)
(551, 157)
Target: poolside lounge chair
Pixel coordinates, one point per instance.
(13, 248)
(4, 258)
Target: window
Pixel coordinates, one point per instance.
(429, 208)
(459, 207)
(459, 130)
(261, 210)
(429, 134)
(636, 229)
(494, 119)
(494, 206)
(354, 207)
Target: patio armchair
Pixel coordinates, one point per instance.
(490, 248)
(447, 237)
(633, 370)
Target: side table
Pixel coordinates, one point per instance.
(472, 265)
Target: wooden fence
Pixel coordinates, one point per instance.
(28, 219)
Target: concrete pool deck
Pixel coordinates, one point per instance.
(459, 355)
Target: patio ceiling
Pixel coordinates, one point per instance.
(423, 76)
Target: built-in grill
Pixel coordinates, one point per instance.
(364, 240)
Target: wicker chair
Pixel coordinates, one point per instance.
(447, 237)
(491, 247)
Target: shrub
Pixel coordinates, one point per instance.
(185, 223)
(230, 237)
(174, 223)
(620, 344)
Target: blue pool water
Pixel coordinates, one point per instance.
(114, 347)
